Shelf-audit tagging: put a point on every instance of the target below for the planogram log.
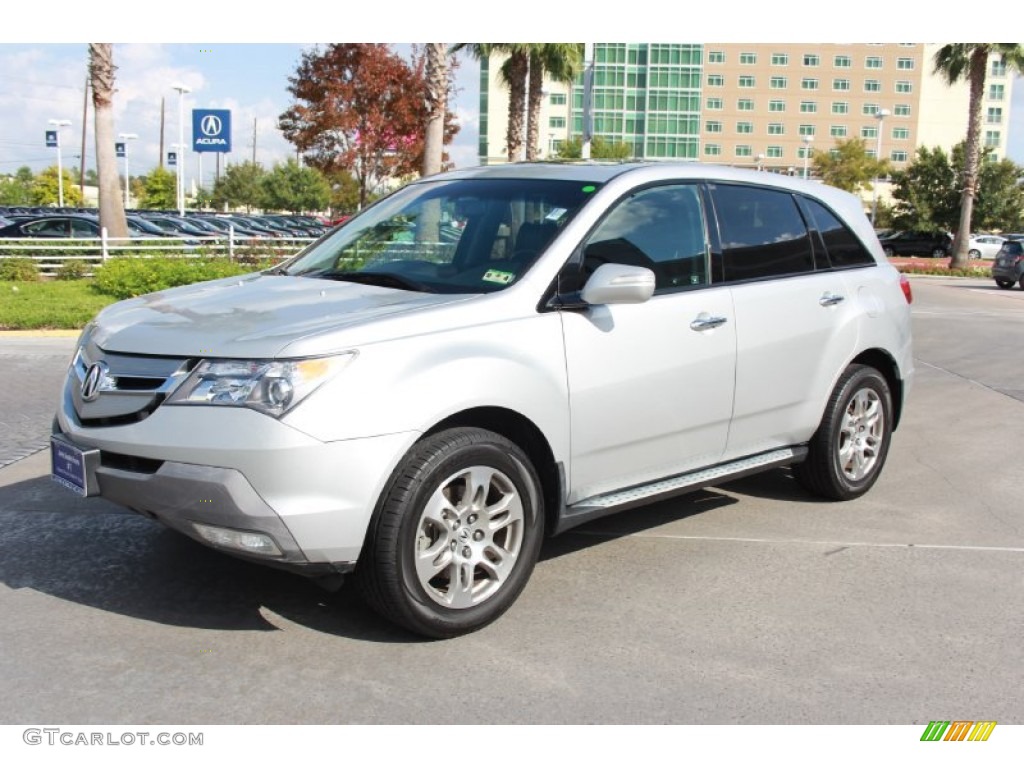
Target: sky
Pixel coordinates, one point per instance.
(45, 80)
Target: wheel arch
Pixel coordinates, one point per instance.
(886, 365)
(528, 436)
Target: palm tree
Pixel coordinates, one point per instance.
(101, 79)
(513, 74)
(956, 62)
(562, 62)
(437, 107)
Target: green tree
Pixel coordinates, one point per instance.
(514, 73)
(436, 96)
(561, 62)
(849, 166)
(1000, 201)
(241, 185)
(344, 193)
(969, 61)
(101, 82)
(46, 191)
(600, 149)
(294, 188)
(17, 189)
(159, 190)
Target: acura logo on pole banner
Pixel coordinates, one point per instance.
(211, 130)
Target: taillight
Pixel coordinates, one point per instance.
(905, 286)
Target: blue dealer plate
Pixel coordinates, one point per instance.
(67, 466)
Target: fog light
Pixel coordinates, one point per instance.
(243, 541)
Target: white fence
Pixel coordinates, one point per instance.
(51, 254)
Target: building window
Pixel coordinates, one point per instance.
(842, 62)
(806, 130)
(898, 156)
(745, 105)
(838, 131)
(713, 149)
(780, 59)
(556, 122)
(901, 110)
(716, 57)
(808, 107)
(776, 129)
(716, 81)
(713, 126)
(903, 63)
(811, 60)
(809, 84)
(870, 109)
(998, 68)
(873, 62)
(996, 92)
(714, 103)
(901, 133)
(869, 132)
(840, 107)
(744, 150)
(774, 151)
(557, 99)
(872, 86)
(746, 81)
(992, 138)
(903, 86)
(840, 84)
(778, 82)
(748, 58)
(744, 127)
(994, 115)
(776, 105)
(803, 152)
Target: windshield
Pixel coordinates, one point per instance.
(466, 236)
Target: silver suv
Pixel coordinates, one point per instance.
(488, 356)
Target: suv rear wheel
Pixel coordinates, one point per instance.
(846, 454)
(456, 536)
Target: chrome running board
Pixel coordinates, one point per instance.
(605, 504)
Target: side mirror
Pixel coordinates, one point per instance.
(618, 284)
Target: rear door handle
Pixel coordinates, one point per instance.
(705, 322)
(829, 299)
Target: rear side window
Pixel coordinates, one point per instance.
(1011, 248)
(843, 247)
(762, 232)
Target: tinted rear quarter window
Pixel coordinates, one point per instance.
(762, 232)
(842, 246)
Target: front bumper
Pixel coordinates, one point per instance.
(237, 469)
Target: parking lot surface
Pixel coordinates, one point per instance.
(747, 603)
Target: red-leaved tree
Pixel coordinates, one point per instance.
(361, 108)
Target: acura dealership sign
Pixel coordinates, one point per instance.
(211, 130)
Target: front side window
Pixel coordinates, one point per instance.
(660, 228)
(763, 233)
(461, 236)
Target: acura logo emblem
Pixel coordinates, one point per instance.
(94, 379)
(210, 125)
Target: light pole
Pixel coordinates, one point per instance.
(880, 115)
(58, 124)
(126, 137)
(760, 161)
(182, 90)
(807, 151)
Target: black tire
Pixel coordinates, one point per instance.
(889, 253)
(939, 253)
(1022, 282)
(847, 452)
(428, 522)
(1005, 284)
(974, 253)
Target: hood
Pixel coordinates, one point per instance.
(253, 316)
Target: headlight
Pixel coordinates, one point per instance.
(270, 386)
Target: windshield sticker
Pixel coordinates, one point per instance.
(497, 276)
(555, 214)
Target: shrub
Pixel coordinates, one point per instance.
(72, 269)
(19, 270)
(124, 278)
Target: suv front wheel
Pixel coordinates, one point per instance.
(456, 536)
(847, 452)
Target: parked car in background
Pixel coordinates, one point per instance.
(83, 226)
(917, 243)
(984, 246)
(1008, 267)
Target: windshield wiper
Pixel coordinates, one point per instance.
(383, 279)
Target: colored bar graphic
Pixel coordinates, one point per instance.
(935, 730)
(982, 730)
(958, 730)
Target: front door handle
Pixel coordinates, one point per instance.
(705, 322)
(829, 299)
